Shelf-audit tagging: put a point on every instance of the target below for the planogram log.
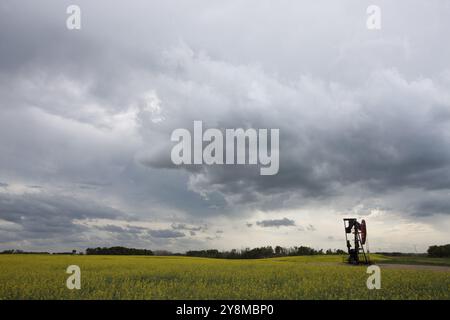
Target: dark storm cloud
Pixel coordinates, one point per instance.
(375, 132)
(388, 139)
(432, 205)
(285, 222)
(362, 115)
(46, 216)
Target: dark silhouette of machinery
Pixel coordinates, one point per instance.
(357, 232)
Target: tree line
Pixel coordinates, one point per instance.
(261, 252)
(439, 251)
(121, 251)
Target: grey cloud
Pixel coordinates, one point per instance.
(129, 229)
(432, 205)
(285, 222)
(183, 226)
(111, 228)
(166, 233)
(38, 217)
(135, 229)
(363, 116)
(372, 132)
(378, 142)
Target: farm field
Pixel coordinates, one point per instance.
(153, 277)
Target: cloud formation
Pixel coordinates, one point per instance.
(285, 222)
(86, 118)
(166, 233)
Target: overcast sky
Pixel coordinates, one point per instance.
(86, 117)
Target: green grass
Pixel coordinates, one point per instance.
(141, 277)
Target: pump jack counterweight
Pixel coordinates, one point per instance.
(357, 232)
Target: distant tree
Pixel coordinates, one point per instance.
(7, 252)
(118, 251)
(162, 253)
(439, 251)
(305, 251)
